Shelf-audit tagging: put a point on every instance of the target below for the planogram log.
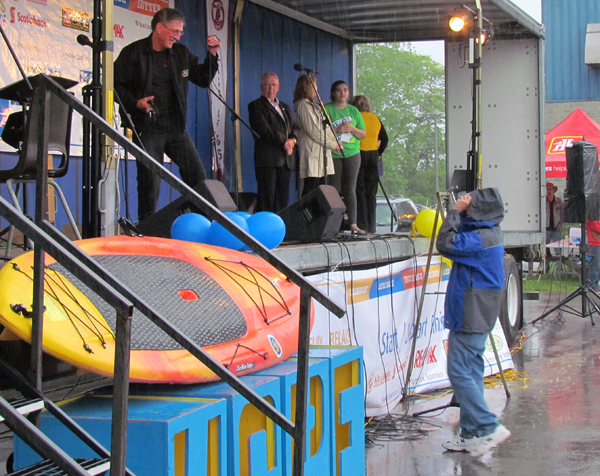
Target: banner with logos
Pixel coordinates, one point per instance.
(382, 306)
(217, 23)
(43, 34)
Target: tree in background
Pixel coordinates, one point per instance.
(406, 91)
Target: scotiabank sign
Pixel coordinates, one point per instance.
(559, 144)
(30, 19)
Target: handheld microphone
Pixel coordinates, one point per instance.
(84, 41)
(297, 67)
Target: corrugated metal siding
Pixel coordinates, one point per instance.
(272, 42)
(268, 42)
(198, 112)
(568, 78)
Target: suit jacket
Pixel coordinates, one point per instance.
(274, 131)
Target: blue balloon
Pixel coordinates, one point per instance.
(268, 228)
(219, 236)
(244, 215)
(191, 227)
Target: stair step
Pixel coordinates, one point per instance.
(25, 406)
(48, 468)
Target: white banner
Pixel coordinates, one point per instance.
(217, 23)
(381, 315)
(43, 34)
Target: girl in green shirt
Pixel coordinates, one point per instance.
(349, 126)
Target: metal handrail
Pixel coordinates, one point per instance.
(123, 333)
(47, 238)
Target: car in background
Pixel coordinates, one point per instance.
(422, 207)
(405, 212)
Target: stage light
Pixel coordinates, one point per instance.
(485, 36)
(458, 22)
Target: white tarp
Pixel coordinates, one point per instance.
(381, 315)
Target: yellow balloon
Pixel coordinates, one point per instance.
(424, 222)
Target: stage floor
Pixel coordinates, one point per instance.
(555, 421)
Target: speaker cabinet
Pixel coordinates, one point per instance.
(245, 201)
(314, 218)
(159, 224)
(582, 195)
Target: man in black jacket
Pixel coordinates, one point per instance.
(151, 79)
(271, 119)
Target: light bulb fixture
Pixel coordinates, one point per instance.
(458, 21)
(486, 35)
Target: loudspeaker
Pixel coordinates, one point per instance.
(159, 224)
(314, 218)
(582, 195)
(245, 201)
(460, 180)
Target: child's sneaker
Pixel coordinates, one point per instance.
(458, 443)
(483, 444)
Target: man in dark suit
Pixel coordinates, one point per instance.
(271, 119)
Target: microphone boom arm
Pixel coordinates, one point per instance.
(14, 55)
(326, 119)
(234, 115)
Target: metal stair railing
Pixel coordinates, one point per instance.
(37, 398)
(21, 425)
(45, 230)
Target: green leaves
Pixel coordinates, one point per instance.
(406, 91)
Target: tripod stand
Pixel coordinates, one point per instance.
(583, 290)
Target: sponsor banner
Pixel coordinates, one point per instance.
(76, 19)
(217, 16)
(43, 34)
(144, 7)
(381, 317)
(558, 145)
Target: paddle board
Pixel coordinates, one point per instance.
(235, 305)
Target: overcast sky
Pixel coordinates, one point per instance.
(435, 49)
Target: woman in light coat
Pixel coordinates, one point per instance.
(313, 138)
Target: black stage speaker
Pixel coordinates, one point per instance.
(314, 218)
(460, 182)
(245, 201)
(159, 224)
(582, 195)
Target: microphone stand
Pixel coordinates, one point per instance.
(127, 123)
(14, 56)
(326, 124)
(234, 117)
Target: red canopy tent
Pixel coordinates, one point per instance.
(577, 126)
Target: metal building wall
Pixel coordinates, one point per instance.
(568, 78)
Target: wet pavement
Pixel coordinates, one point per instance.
(554, 420)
